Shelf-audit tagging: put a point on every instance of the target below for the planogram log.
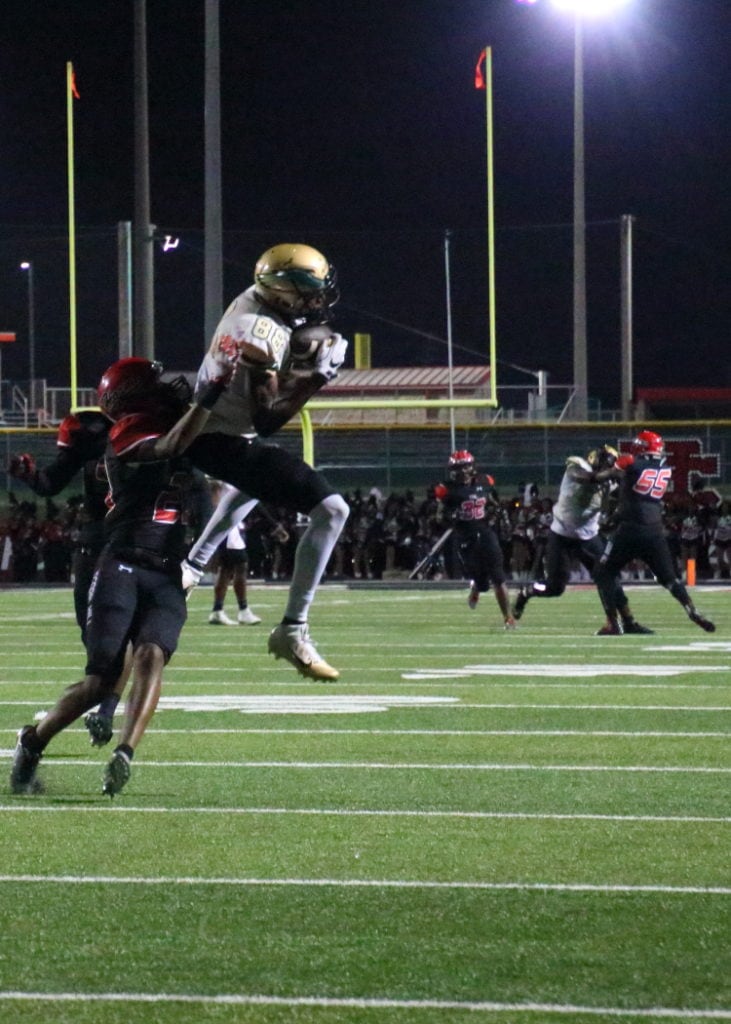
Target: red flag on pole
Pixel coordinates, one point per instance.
(74, 90)
(479, 73)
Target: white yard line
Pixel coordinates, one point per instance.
(364, 883)
(676, 819)
(345, 1003)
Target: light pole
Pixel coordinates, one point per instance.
(27, 266)
(581, 9)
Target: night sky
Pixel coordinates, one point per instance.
(357, 128)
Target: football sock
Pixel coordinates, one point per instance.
(31, 741)
(315, 547)
(217, 606)
(109, 705)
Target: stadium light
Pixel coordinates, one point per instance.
(581, 9)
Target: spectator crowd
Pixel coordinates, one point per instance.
(386, 536)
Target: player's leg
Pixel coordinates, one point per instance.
(660, 561)
(232, 508)
(245, 616)
(557, 574)
(160, 616)
(224, 573)
(491, 556)
(276, 477)
(619, 549)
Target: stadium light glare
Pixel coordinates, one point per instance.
(588, 8)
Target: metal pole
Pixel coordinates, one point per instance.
(144, 303)
(626, 315)
(213, 233)
(450, 374)
(124, 288)
(580, 362)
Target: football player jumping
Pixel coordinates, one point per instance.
(466, 498)
(574, 533)
(644, 476)
(294, 291)
(136, 596)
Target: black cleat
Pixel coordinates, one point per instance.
(706, 624)
(116, 774)
(636, 627)
(613, 627)
(99, 727)
(25, 762)
(520, 602)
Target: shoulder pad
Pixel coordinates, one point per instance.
(131, 431)
(68, 428)
(579, 462)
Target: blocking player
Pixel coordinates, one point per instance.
(81, 440)
(294, 289)
(644, 476)
(466, 498)
(574, 534)
(136, 596)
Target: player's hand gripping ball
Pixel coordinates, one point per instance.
(305, 342)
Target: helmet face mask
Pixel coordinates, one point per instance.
(461, 467)
(298, 282)
(134, 386)
(648, 442)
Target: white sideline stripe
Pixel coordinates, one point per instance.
(366, 883)
(403, 765)
(337, 812)
(491, 707)
(325, 1002)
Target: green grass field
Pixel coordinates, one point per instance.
(471, 824)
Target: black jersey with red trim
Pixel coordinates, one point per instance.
(146, 499)
(81, 441)
(642, 489)
(467, 504)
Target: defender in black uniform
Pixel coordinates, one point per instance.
(644, 478)
(82, 440)
(136, 596)
(466, 499)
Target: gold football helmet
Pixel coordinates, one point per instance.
(298, 282)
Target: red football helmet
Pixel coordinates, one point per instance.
(648, 442)
(134, 385)
(461, 466)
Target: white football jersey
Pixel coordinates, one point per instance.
(578, 506)
(249, 333)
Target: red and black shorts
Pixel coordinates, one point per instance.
(129, 603)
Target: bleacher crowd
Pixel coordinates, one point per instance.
(386, 536)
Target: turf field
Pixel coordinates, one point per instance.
(471, 825)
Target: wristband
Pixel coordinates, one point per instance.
(211, 393)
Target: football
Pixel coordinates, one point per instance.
(305, 341)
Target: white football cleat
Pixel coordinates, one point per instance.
(220, 619)
(293, 643)
(247, 618)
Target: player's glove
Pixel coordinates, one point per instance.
(22, 467)
(330, 357)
